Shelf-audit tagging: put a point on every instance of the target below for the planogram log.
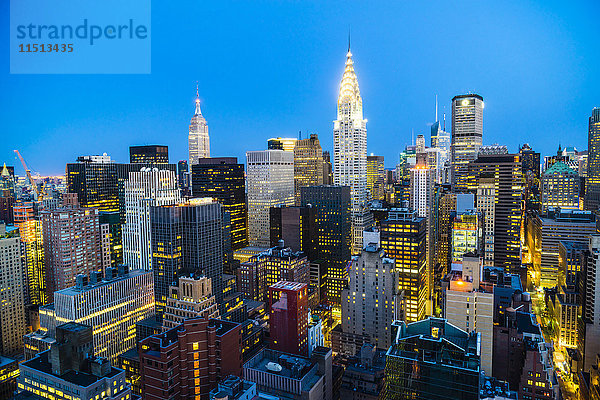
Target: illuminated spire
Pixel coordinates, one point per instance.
(349, 91)
(198, 112)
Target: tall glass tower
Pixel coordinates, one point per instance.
(198, 140)
(592, 193)
(467, 136)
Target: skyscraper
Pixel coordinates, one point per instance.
(560, 187)
(94, 180)
(198, 140)
(270, 182)
(327, 169)
(467, 136)
(150, 154)
(441, 141)
(308, 164)
(297, 227)
(279, 143)
(144, 189)
(486, 205)
(375, 177)
(350, 151)
(222, 178)
(288, 302)
(592, 194)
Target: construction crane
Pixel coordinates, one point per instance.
(28, 172)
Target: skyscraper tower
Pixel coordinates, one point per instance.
(467, 136)
(199, 142)
(350, 150)
(592, 193)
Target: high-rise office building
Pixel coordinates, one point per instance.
(375, 177)
(422, 180)
(113, 220)
(467, 234)
(592, 193)
(150, 154)
(433, 360)
(327, 169)
(350, 151)
(530, 161)
(198, 139)
(94, 180)
(285, 144)
(442, 142)
(297, 227)
(270, 182)
(288, 318)
(192, 297)
(467, 136)
(186, 239)
(308, 164)
(588, 336)
(447, 206)
(486, 205)
(506, 171)
(560, 187)
(372, 299)
(74, 243)
(222, 178)
(403, 237)
(144, 189)
(12, 307)
(183, 177)
(333, 212)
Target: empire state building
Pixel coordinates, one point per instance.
(350, 151)
(198, 140)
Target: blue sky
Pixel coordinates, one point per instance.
(272, 68)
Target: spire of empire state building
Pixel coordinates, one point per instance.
(198, 139)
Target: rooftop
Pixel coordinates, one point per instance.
(74, 290)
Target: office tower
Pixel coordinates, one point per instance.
(371, 299)
(588, 336)
(327, 169)
(151, 154)
(222, 178)
(112, 304)
(332, 205)
(466, 234)
(467, 136)
(70, 369)
(9, 372)
(270, 182)
(12, 307)
(471, 308)
(183, 177)
(447, 206)
(544, 234)
(291, 377)
(288, 317)
(508, 183)
(196, 355)
(285, 144)
(113, 220)
(94, 180)
(143, 190)
(350, 151)
(530, 161)
(375, 177)
(192, 297)
(308, 164)
(433, 360)
(592, 193)
(442, 142)
(422, 181)
(297, 227)
(198, 140)
(28, 221)
(486, 205)
(403, 238)
(186, 239)
(560, 187)
(74, 243)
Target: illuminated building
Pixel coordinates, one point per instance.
(433, 359)
(471, 308)
(371, 299)
(195, 356)
(530, 161)
(285, 144)
(32, 241)
(74, 243)
(333, 219)
(441, 141)
(588, 335)
(151, 154)
(191, 298)
(113, 220)
(592, 197)
(112, 304)
(270, 182)
(222, 178)
(327, 169)
(183, 177)
(403, 237)
(544, 234)
(308, 164)
(94, 180)
(375, 177)
(486, 205)
(288, 317)
(198, 139)
(467, 136)
(297, 227)
(506, 171)
(560, 187)
(70, 370)
(144, 189)
(12, 307)
(9, 372)
(467, 228)
(186, 239)
(447, 205)
(350, 151)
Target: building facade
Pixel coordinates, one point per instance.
(308, 164)
(198, 139)
(288, 318)
(150, 154)
(467, 136)
(560, 186)
(592, 194)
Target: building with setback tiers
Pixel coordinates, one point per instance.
(198, 139)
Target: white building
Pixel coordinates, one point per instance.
(486, 204)
(467, 136)
(144, 189)
(270, 182)
(198, 139)
(350, 151)
(315, 333)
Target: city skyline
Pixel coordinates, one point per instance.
(260, 86)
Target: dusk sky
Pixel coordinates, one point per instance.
(273, 68)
